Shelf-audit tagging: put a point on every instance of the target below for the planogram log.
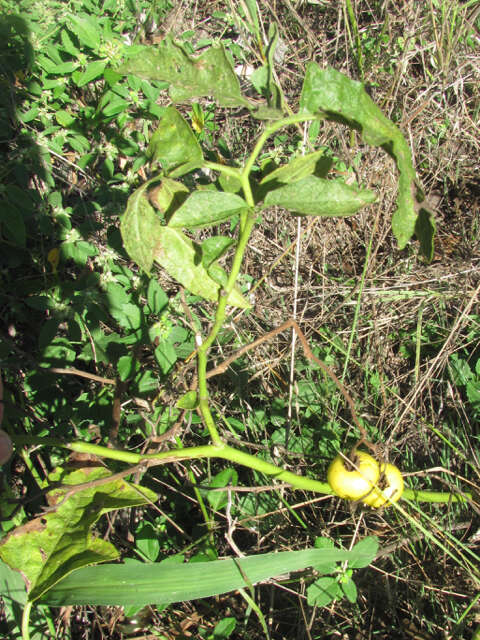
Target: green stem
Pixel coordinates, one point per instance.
(279, 124)
(26, 620)
(246, 229)
(226, 452)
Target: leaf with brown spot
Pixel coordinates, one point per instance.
(49, 547)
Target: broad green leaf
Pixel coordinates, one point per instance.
(210, 74)
(460, 370)
(295, 170)
(165, 583)
(363, 553)
(49, 547)
(181, 258)
(319, 197)
(125, 367)
(174, 145)
(93, 71)
(330, 94)
(323, 591)
(13, 224)
(140, 228)
(207, 208)
(64, 118)
(224, 628)
(214, 248)
(86, 29)
(473, 394)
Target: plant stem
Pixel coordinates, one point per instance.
(231, 454)
(26, 620)
(279, 124)
(248, 220)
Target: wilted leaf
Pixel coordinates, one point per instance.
(337, 97)
(169, 194)
(210, 74)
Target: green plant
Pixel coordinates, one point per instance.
(161, 225)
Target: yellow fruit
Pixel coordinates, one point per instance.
(356, 482)
(390, 488)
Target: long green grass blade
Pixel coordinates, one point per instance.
(164, 583)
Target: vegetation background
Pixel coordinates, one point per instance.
(402, 335)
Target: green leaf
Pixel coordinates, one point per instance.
(146, 541)
(86, 30)
(218, 499)
(460, 370)
(319, 197)
(157, 299)
(181, 258)
(12, 224)
(188, 401)
(325, 567)
(210, 74)
(207, 208)
(11, 584)
(64, 118)
(295, 170)
(166, 583)
(174, 145)
(214, 248)
(330, 94)
(165, 356)
(125, 367)
(349, 588)
(473, 394)
(363, 553)
(323, 591)
(224, 628)
(93, 71)
(140, 228)
(49, 547)
(425, 230)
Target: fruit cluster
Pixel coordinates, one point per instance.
(363, 478)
